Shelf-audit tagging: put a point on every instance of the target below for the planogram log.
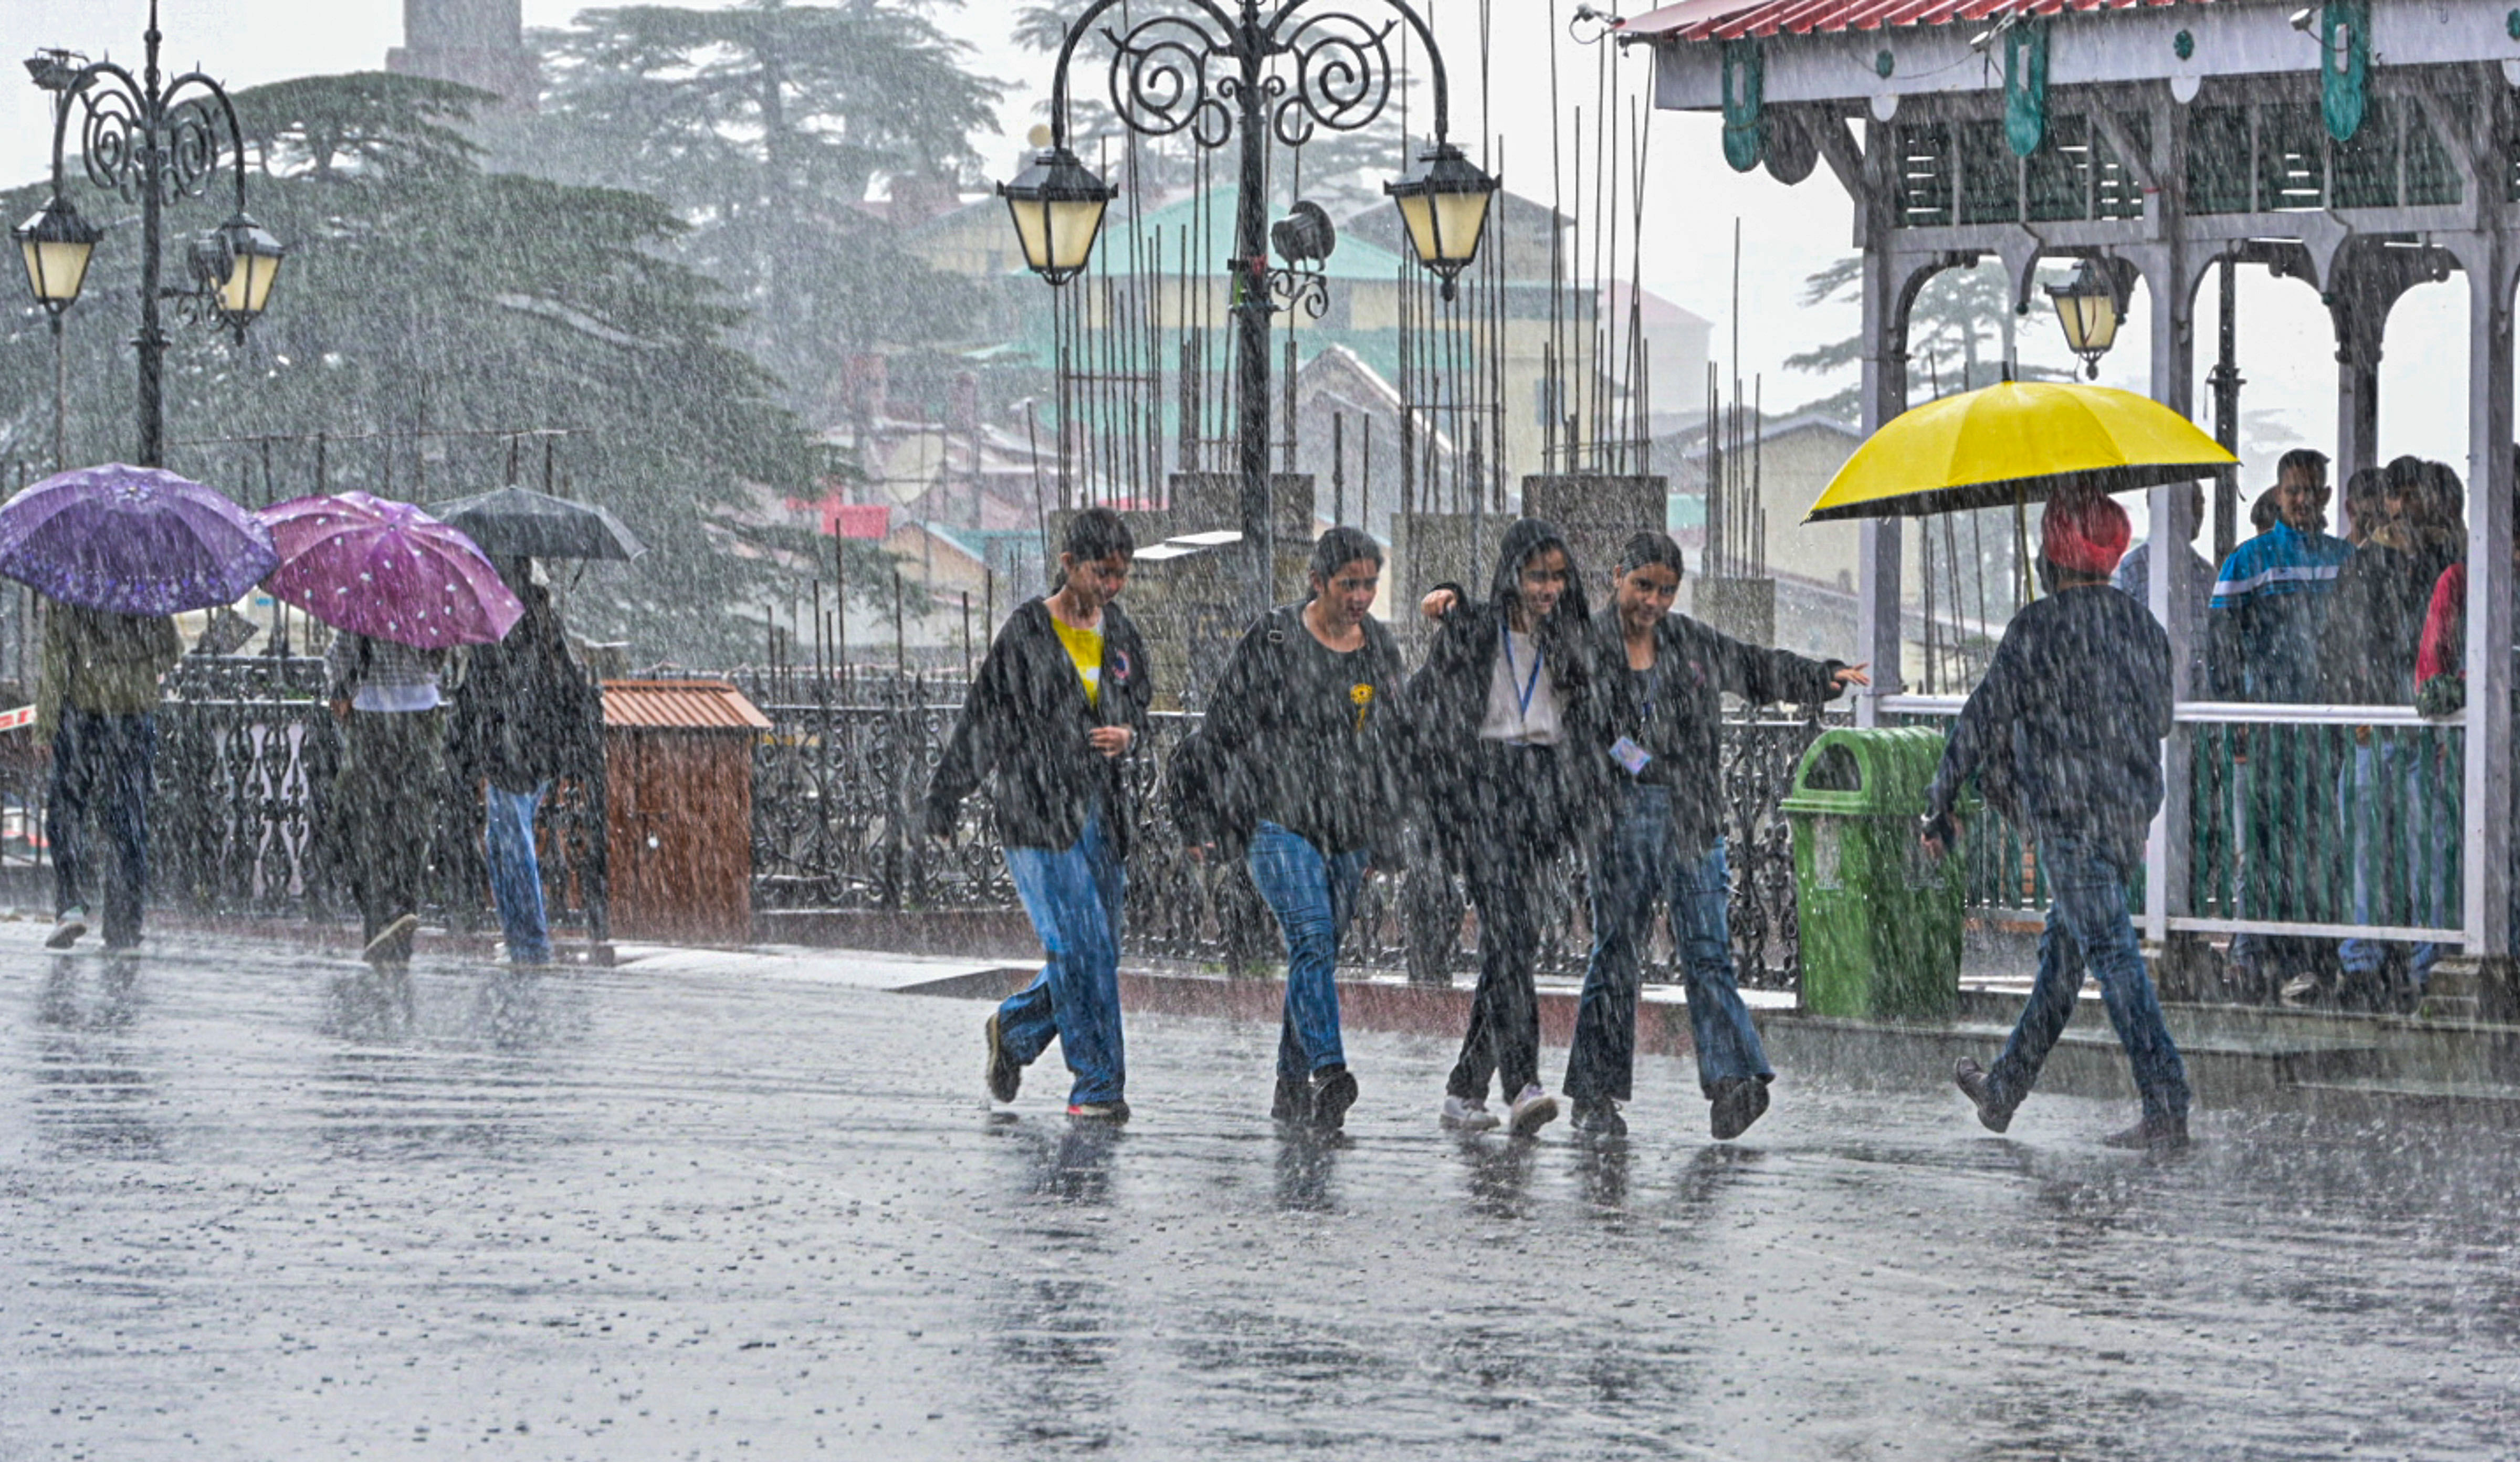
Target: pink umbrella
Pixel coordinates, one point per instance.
(387, 570)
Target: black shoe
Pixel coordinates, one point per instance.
(1293, 1101)
(1599, 1118)
(1332, 1092)
(2149, 1136)
(1738, 1102)
(1970, 1077)
(1004, 1075)
(1115, 1111)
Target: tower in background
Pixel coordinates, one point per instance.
(476, 43)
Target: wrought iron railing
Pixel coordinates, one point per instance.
(837, 783)
(243, 821)
(243, 824)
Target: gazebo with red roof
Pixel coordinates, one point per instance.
(2361, 147)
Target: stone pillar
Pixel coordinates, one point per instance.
(1599, 512)
(2170, 281)
(1887, 293)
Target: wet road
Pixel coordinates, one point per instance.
(255, 1205)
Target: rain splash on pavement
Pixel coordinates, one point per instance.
(256, 1203)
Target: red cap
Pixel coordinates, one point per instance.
(2083, 533)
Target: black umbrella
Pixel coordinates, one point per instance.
(518, 523)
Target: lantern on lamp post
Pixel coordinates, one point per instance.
(155, 141)
(1056, 204)
(1444, 205)
(2089, 307)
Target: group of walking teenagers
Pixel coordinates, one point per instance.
(1535, 728)
(510, 716)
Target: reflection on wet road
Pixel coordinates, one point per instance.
(255, 1203)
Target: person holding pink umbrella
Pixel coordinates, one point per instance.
(402, 589)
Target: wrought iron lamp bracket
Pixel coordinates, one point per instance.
(1189, 70)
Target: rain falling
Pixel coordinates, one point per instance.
(886, 728)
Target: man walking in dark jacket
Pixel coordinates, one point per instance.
(2078, 699)
(1061, 698)
(525, 716)
(1510, 779)
(1660, 681)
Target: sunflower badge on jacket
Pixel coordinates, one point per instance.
(1363, 695)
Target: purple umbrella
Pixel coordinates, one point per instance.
(387, 570)
(132, 541)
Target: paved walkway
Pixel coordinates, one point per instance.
(257, 1204)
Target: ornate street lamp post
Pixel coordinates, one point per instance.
(151, 142)
(1208, 72)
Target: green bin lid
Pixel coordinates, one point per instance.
(1870, 773)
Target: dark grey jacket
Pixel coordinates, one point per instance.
(2076, 700)
(1694, 666)
(1023, 729)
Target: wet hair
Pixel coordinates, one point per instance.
(2366, 487)
(2445, 496)
(1653, 547)
(1097, 534)
(2261, 513)
(1341, 547)
(2302, 459)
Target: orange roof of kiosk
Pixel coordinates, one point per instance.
(680, 705)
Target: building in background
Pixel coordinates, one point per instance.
(475, 43)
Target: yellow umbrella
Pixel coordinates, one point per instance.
(2017, 442)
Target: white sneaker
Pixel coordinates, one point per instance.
(67, 928)
(1468, 1114)
(1533, 1110)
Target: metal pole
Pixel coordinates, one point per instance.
(60, 401)
(2225, 379)
(1251, 319)
(152, 341)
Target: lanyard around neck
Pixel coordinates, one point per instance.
(1530, 684)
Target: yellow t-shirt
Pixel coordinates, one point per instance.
(1085, 649)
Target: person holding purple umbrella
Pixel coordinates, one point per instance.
(113, 550)
(96, 703)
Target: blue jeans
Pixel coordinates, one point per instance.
(2380, 797)
(516, 877)
(2088, 927)
(1636, 864)
(1072, 895)
(101, 763)
(1314, 895)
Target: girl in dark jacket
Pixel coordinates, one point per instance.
(1504, 708)
(1061, 697)
(1304, 725)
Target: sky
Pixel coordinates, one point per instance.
(1692, 198)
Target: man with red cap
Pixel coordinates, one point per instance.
(2067, 729)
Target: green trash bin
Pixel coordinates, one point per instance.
(1880, 920)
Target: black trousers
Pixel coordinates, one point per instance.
(385, 806)
(1522, 813)
(101, 764)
